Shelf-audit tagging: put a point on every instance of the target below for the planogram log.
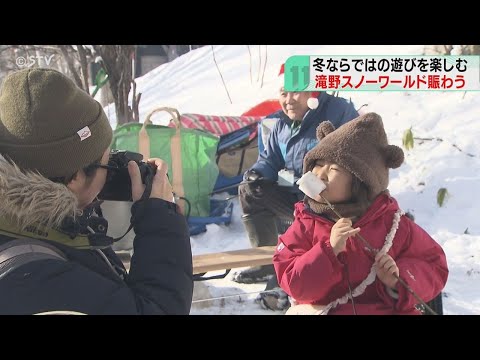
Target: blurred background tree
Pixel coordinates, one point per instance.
(107, 72)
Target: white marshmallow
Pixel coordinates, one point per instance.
(310, 185)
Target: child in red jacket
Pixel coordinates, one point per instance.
(320, 261)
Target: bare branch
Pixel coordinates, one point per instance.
(225, 86)
(117, 62)
(448, 49)
(84, 66)
(165, 48)
(71, 66)
(264, 66)
(10, 47)
(48, 48)
(135, 102)
(250, 58)
(259, 61)
(441, 140)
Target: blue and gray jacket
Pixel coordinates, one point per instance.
(287, 145)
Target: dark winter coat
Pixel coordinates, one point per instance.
(284, 151)
(160, 276)
(310, 272)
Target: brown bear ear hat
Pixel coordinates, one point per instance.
(361, 147)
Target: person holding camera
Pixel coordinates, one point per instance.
(268, 191)
(54, 251)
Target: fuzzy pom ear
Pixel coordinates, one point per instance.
(325, 128)
(373, 119)
(312, 103)
(394, 156)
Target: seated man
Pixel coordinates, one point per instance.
(269, 190)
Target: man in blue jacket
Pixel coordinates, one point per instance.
(269, 190)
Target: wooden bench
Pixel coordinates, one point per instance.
(222, 260)
(233, 259)
(246, 257)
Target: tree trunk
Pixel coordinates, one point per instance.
(117, 61)
(84, 65)
(473, 50)
(69, 60)
(172, 51)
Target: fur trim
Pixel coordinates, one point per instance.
(28, 198)
(360, 289)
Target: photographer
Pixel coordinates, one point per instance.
(54, 251)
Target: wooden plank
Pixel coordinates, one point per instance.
(233, 259)
(223, 260)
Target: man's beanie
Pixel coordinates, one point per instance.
(50, 125)
(361, 147)
(312, 101)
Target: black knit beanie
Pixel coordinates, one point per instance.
(50, 125)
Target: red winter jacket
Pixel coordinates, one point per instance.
(309, 271)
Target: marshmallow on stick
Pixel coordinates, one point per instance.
(311, 185)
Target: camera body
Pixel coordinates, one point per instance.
(118, 186)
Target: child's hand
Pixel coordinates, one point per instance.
(386, 267)
(341, 231)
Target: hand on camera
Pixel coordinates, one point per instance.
(161, 187)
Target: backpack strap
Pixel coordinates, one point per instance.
(18, 252)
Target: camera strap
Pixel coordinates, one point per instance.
(141, 205)
(130, 227)
(76, 239)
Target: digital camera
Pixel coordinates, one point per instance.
(118, 186)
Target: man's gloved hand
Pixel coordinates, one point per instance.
(252, 183)
(252, 176)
